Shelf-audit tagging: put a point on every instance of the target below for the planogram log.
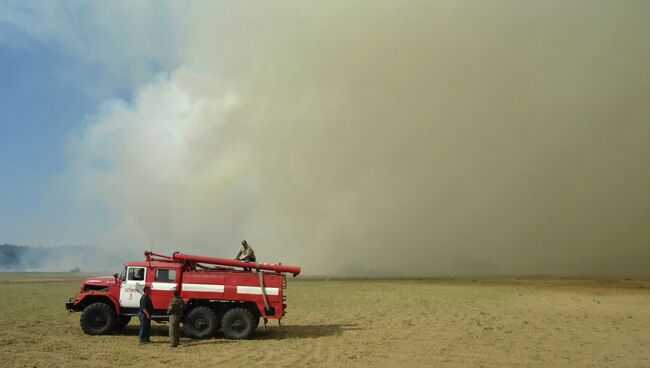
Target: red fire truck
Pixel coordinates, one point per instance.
(221, 294)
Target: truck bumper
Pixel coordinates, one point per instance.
(70, 306)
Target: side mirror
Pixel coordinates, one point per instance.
(115, 275)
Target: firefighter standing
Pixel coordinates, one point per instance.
(175, 311)
(146, 308)
(246, 251)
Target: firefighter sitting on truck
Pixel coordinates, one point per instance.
(246, 251)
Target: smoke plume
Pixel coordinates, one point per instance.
(388, 138)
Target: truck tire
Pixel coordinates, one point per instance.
(121, 322)
(200, 323)
(98, 319)
(238, 323)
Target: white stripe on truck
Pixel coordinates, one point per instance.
(203, 287)
(256, 290)
(251, 290)
(162, 286)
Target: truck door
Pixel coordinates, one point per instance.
(131, 289)
(161, 289)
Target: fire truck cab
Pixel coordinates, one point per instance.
(162, 277)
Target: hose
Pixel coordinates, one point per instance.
(261, 275)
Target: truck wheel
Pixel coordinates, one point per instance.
(98, 319)
(238, 323)
(200, 323)
(121, 322)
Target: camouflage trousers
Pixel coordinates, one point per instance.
(174, 330)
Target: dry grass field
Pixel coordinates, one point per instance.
(360, 323)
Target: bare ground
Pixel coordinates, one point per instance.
(540, 322)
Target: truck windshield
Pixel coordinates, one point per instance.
(123, 276)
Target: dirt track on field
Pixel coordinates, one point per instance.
(359, 323)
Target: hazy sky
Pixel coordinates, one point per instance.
(369, 137)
